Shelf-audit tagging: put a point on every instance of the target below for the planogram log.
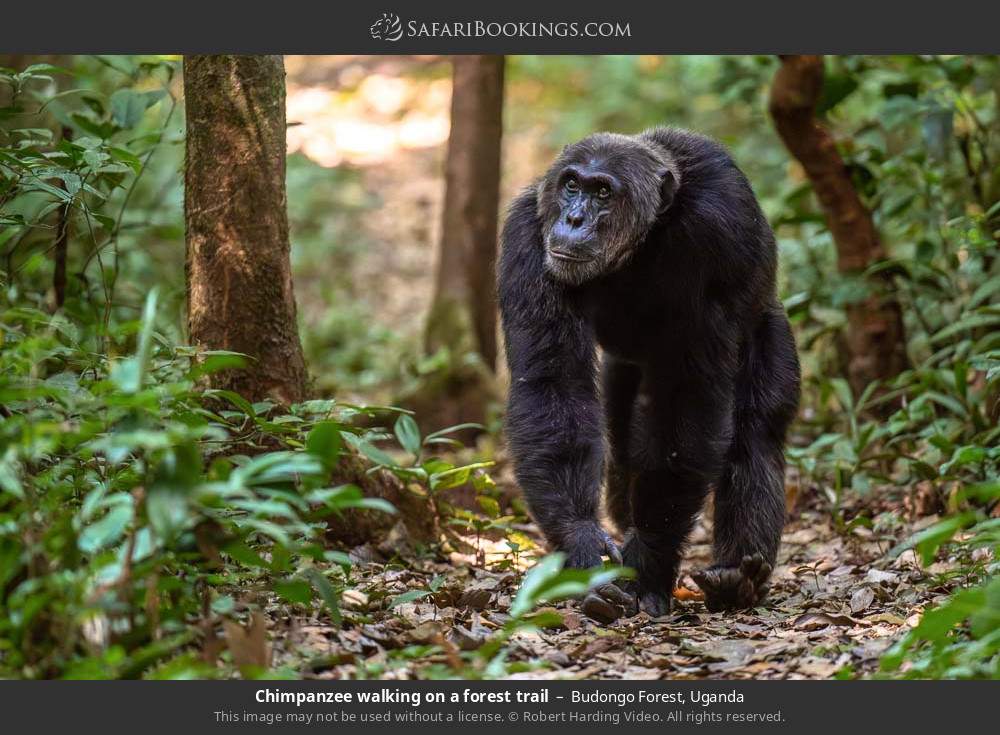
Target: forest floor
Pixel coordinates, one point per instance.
(837, 603)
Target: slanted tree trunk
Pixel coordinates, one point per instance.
(875, 337)
(239, 279)
(463, 314)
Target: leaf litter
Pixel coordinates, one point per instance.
(837, 602)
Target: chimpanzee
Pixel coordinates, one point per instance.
(654, 248)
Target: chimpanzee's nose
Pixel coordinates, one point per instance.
(574, 219)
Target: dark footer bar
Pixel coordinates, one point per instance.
(495, 706)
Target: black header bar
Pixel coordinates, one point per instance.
(512, 26)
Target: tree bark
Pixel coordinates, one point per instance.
(463, 313)
(239, 280)
(875, 337)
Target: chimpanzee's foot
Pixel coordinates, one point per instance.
(587, 544)
(655, 602)
(654, 582)
(735, 588)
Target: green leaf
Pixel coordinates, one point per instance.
(294, 590)
(324, 442)
(408, 434)
(126, 157)
(536, 578)
(216, 360)
(128, 106)
(452, 430)
(107, 531)
(927, 541)
(235, 398)
(326, 591)
(337, 498)
(409, 596)
(965, 455)
(836, 88)
(128, 374)
(547, 581)
(372, 452)
(245, 555)
(490, 506)
(168, 511)
(966, 323)
(456, 476)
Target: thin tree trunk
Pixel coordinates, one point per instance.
(240, 294)
(463, 314)
(875, 337)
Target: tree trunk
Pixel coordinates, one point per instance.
(463, 314)
(240, 294)
(875, 338)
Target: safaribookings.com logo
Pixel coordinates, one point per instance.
(390, 28)
(387, 28)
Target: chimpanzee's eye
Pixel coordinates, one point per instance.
(604, 192)
(571, 186)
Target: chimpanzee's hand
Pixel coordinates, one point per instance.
(735, 588)
(587, 544)
(608, 603)
(624, 600)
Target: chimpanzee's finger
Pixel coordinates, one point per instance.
(763, 573)
(750, 564)
(612, 550)
(707, 580)
(600, 609)
(614, 593)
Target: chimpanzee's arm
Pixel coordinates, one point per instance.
(554, 420)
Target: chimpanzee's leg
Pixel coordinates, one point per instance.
(749, 497)
(677, 456)
(620, 383)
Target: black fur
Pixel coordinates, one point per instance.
(673, 276)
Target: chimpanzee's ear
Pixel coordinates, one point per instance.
(668, 188)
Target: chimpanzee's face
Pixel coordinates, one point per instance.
(597, 202)
(587, 194)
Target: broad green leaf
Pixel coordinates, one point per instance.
(324, 441)
(128, 106)
(326, 591)
(106, 531)
(294, 590)
(408, 434)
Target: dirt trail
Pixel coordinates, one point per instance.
(836, 605)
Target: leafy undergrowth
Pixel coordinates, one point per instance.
(152, 528)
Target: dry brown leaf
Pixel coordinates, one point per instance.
(861, 599)
(354, 600)
(475, 598)
(888, 618)
(601, 644)
(426, 632)
(877, 576)
(817, 620)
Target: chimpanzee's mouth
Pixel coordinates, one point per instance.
(563, 255)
